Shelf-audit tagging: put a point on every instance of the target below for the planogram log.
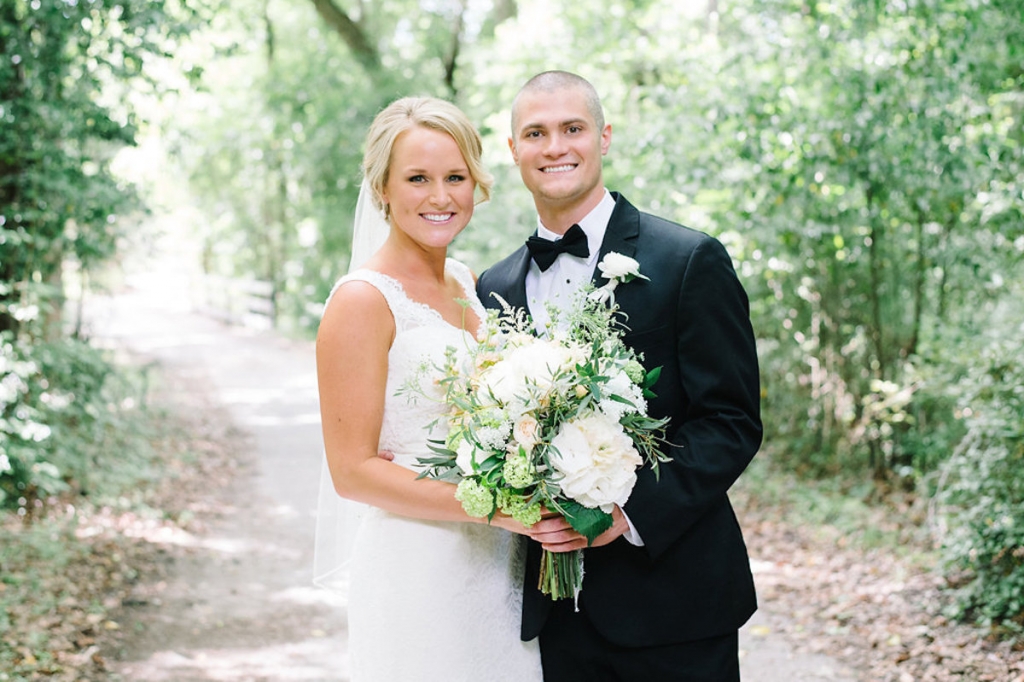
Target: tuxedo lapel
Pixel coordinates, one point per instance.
(510, 281)
(621, 234)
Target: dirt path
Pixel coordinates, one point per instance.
(236, 602)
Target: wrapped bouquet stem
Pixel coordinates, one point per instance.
(561, 575)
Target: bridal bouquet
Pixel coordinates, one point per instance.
(556, 422)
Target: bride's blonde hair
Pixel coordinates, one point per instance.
(428, 112)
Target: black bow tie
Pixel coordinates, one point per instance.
(545, 251)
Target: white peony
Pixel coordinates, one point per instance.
(597, 461)
(528, 372)
(465, 458)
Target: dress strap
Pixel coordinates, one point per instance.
(408, 313)
(464, 276)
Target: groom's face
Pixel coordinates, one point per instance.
(558, 148)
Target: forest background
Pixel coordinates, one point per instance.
(862, 161)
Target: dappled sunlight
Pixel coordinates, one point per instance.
(309, 595)
(284, 661)
(269, 421)
(166, 532)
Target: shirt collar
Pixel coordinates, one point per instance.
(593, 224)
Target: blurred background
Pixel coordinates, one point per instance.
(863, 161)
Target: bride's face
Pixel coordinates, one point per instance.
(429, 189)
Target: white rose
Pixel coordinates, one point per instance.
(525, 431)
(616, 266)
(597, 461)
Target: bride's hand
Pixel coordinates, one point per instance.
(506, 522)
(555, 534)
(550, 523)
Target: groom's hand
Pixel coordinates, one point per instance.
(555, 534)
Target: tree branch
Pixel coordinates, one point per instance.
(351, 32)
(450, 61)
(501, 10)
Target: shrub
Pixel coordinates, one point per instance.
(61, 406)
(981, 494)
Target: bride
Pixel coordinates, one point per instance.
(433, 593)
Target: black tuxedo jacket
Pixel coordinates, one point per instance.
(691, 579)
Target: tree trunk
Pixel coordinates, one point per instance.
(876, 333)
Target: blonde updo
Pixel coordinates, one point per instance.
(428, 112)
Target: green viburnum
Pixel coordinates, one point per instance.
(477, 500)
(516, 506)
(635, 371)
(518, 471)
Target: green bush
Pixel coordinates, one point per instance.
(981, 494)
(61, 418)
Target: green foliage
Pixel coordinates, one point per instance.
(67, 71)
(277, 160)
(64, 417)
(22, 583)
(980, 500)
(62, 117)
(862, 147)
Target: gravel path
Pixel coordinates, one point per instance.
(236, 602)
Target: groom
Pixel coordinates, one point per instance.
(667, 588)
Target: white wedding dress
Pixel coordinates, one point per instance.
(431, 601)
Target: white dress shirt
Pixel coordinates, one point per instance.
(558, 283)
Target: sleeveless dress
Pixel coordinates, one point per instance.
(431, 601)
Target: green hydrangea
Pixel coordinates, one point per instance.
(635, 371)
(477, 500)
(516, 506)
(517, 471)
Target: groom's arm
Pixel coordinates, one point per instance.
(718, 430)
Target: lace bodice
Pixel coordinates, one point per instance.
(421, 337)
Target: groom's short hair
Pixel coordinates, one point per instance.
(552, 82)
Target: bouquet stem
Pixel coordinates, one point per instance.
(561, 574)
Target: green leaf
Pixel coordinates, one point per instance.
(588, 522)
(650, 379)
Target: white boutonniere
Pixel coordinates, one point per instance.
(617, 269)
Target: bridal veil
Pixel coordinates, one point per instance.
(337, 518)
